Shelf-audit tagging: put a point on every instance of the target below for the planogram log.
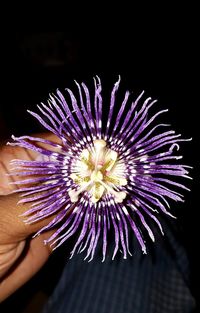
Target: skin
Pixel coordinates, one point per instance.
(21, 256)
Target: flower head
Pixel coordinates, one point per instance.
(110, 169)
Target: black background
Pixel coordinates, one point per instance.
(158, 57)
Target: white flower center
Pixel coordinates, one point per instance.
(98, 171)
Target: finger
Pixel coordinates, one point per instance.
(8, 153)
(27, 266)
(9, 253)
(12, 225)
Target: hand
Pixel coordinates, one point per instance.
(20, 255)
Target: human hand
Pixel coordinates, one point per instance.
(20, 255)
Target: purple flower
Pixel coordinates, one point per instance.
(112, 168)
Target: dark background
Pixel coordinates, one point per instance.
(159, 58)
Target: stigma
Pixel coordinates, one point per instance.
(98, 171)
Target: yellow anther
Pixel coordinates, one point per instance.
(79, 180)
(86, 159)
(112, 158)
(119, 181)
(97, 192)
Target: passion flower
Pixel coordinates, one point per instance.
(112, 169)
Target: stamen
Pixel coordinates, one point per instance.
(97, 172)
